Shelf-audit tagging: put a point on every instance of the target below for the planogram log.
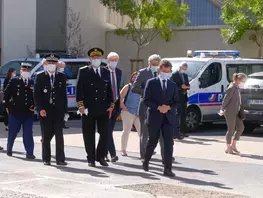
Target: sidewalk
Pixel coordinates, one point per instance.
(199, 147)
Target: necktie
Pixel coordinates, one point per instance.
(52, 80)
(154, 74)
(182, 76)
(97, 72)
(113, 86)
(164, 88)
(25, 82)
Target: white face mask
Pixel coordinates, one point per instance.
(25, 75)
(165, 76)
(51, 67)
(13, 75)
(113, 64)
(61, 69)
(96, 62)
(182, 71)
(154, 68)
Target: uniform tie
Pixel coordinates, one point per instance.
(97, 72)
(113, 86)
(155, 74)
(52, 80)
(25, 82)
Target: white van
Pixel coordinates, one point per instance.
(210, 73)
(71, 70)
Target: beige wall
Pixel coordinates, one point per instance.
(183, 40)
(18, 21)
(94, 17)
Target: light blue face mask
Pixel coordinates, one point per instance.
(182, 71)
(165, 76)
(154, 68)
(61, 69)
(96, 62)
(113, 64)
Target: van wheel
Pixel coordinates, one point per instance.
(250, 127)
(193, 118)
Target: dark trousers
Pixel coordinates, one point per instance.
(15, 123)
(88, 129)
(112, 122)
(182, 111)
(5, 118)
(50, 127)
(154, 135)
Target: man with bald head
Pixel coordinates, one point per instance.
(181, 79)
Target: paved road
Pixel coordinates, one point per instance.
(200, 164)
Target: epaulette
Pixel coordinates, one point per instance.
(84, 67)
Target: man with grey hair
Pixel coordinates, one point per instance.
(144, 75)
(115, 79)
(181, 79)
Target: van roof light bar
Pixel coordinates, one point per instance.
(216, 53)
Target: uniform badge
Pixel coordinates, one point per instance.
(45, 90)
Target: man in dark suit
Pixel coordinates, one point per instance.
(19, 104)
(115, 79)
(161, 99)
(95, 103)
(51, 100)
(181, 79)
(138, 87)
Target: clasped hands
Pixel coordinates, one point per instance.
(184, 86)
(164, 108)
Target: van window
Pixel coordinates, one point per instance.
(244, 68)
(72, 69)
(212, 75)
(16, 65)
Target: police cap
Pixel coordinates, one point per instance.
(26, 65)
(95, 52)
(51, 57)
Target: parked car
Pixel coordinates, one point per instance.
(252, 98)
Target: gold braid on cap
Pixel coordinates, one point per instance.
(80, 104)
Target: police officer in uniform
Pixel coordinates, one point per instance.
(19, 104)
(95, 103)
(51, 101)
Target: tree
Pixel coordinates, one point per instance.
(148, 19)
(243, 17)
(74, 40)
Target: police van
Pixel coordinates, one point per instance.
(71, 71)
(210, 73)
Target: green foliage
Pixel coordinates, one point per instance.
(242, 16)
(155, 16)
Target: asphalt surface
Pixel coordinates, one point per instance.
(31, 179)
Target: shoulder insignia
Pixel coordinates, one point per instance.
(84, 67)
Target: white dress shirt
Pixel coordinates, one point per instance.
(94, 68)
(161, 80)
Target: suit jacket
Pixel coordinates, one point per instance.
(52, 99)
(93, 92)
(118, 78)
(176, 77)
(232, 102)
(153, 99)
(18, 97)
(139, 85)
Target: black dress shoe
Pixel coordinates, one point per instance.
(1, 148)
(106, 159)
(179, 137)
(91, 164)
(145, 166)
(9, 153)
(115, 159)
(185, 135)
(103, 162)
(65, 127)
(62, 163)
(31, 157)
(168, 173)
(47, 163)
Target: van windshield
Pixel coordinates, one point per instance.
(193, 67)
(16, 65)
